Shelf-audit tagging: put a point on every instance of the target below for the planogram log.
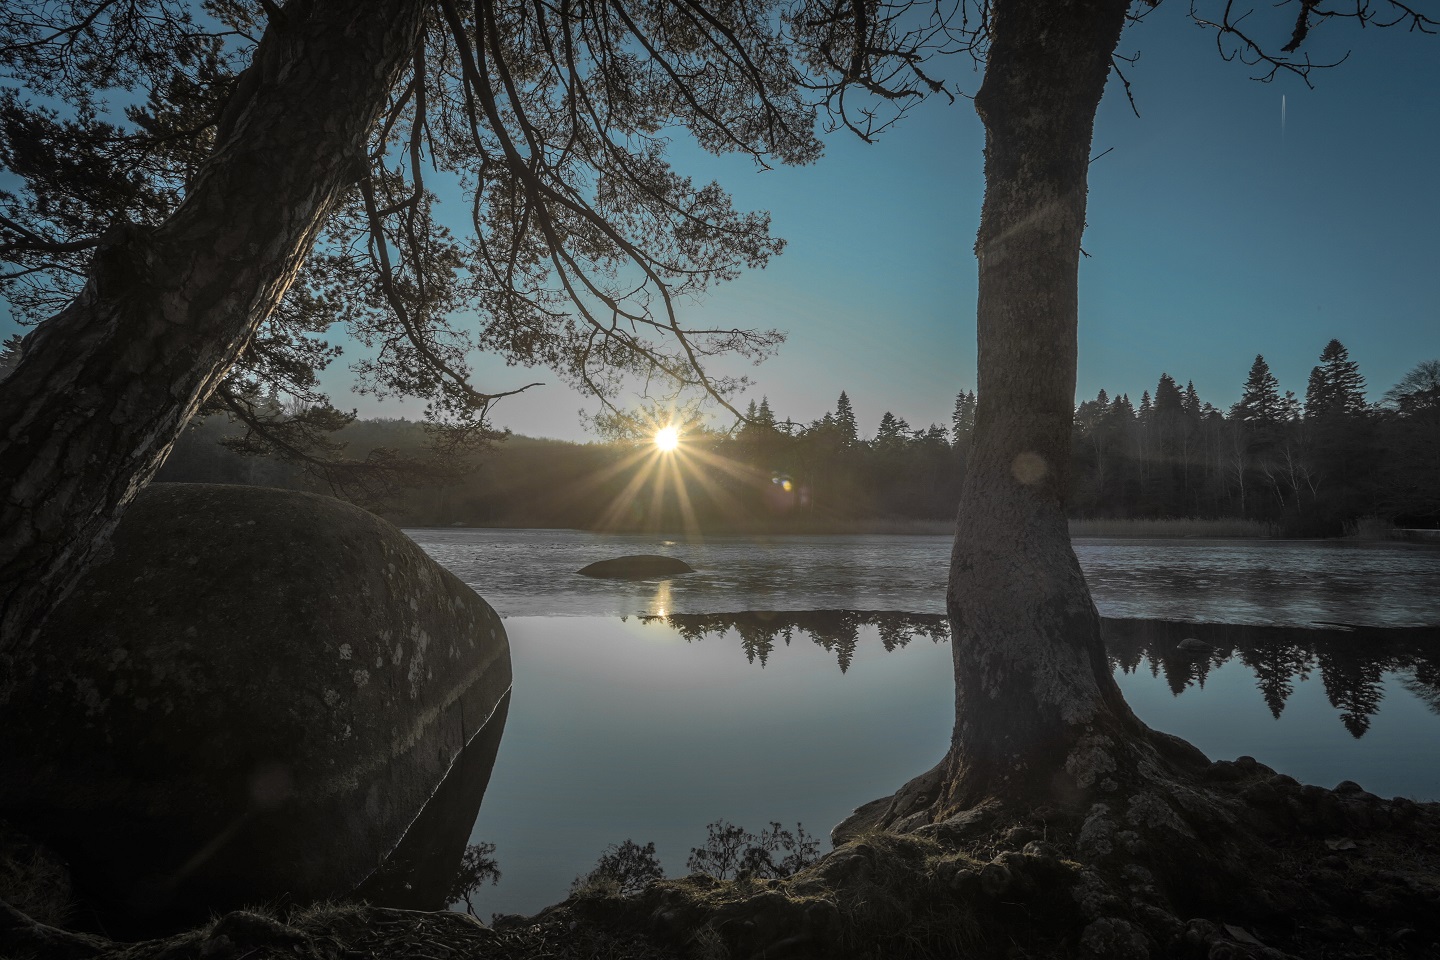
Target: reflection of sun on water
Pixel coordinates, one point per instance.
(667, 438)
(660, 604)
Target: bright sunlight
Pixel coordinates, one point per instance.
(667, 438)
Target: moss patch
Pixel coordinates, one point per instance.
(1339, 874)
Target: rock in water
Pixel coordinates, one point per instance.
(644, 566)
(249, 700)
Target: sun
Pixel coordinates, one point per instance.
(667, 439)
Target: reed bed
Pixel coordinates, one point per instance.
(1176, 528)
(1169, 529)
(886, 525)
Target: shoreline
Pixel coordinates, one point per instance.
(1080, 529)
(1280, 878)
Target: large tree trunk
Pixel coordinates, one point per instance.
(1036, 708)
(106, 385)
(1038, 716)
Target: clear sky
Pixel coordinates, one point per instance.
(1215, 233)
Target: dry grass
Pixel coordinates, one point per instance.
(807, 526)
(1178, 528)
(32, 880)
(888, 525)
(1372, 528)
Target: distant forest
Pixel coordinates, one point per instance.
(1308, 467)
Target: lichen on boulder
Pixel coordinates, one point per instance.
(249, 698)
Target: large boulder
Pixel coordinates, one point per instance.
(250, 699)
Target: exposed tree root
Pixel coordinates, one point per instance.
(1229, 860)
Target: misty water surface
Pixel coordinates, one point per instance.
(642, 710)
(1284, 582)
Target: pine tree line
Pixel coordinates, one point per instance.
(1310, 466)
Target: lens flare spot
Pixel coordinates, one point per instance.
(1029, 468)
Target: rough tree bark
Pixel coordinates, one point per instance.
(106, 385)
(1038, 716)
(1033, 687)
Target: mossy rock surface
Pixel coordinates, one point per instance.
(644, 566)
(249, 700)
(1339, 874)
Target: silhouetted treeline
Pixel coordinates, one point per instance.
(1309, 466)
(767, 475)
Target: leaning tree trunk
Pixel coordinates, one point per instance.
(106, 385)
(1036, 707)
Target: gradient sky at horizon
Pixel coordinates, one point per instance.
(1213, 235)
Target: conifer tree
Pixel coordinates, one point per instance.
(1341, 448)
(1191, 443)
(764, 416)
(1260, 400)
(9, 354)
(963, 419)
(1259, 417)
(1289, 407)
(845, 420)
(1167, 443)
(892, 430)
(1168, 399)
(1314, 393)
(1168, 417)
(1336, 387)
(1192, 401)
(1091, 413)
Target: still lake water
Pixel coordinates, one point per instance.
(641, 711)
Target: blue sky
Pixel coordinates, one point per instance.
(1213, 235)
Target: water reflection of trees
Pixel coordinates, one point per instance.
(1423, 680)
(835, 631)
(1351, 662)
